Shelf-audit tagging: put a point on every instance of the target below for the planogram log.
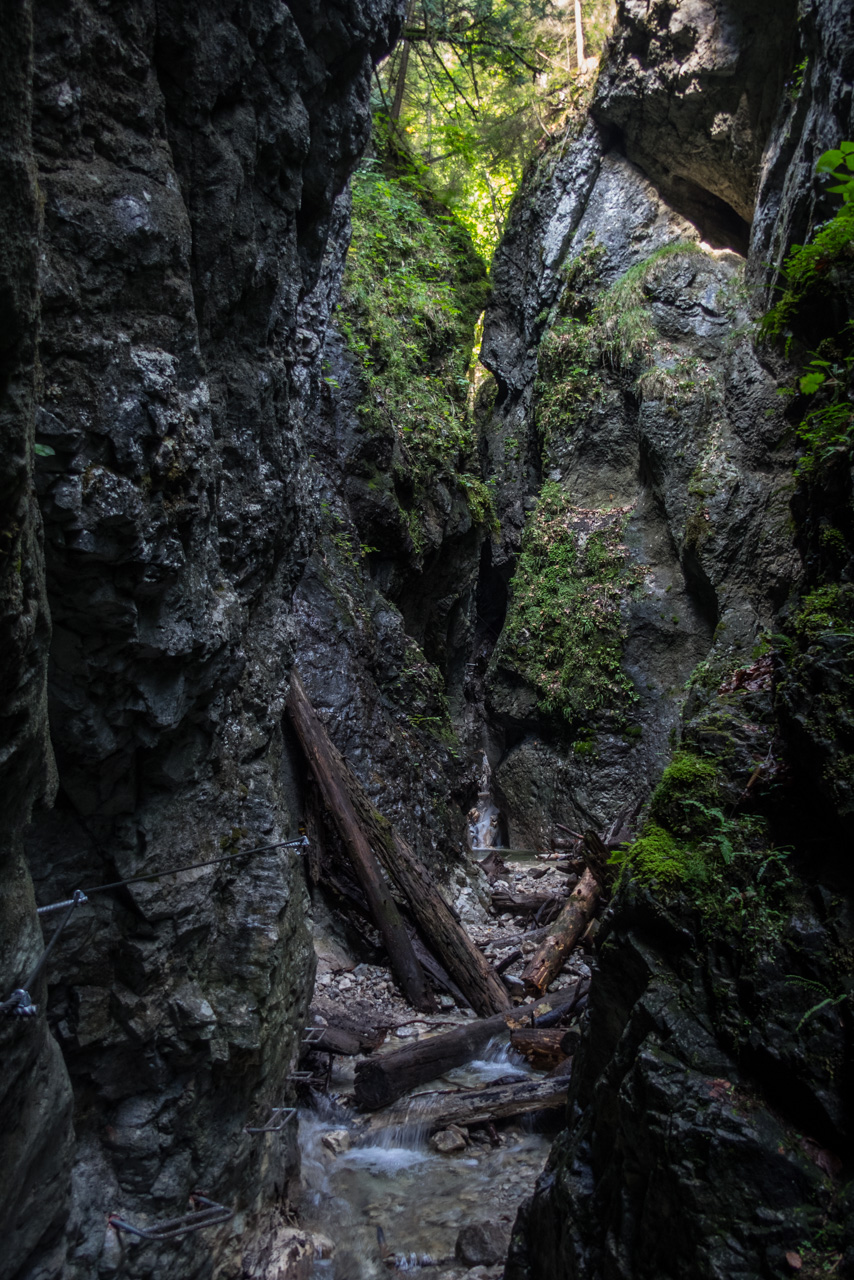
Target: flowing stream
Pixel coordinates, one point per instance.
(388, 1201)
(418, 1198)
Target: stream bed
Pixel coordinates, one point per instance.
(418, 1198)
(388, 1201)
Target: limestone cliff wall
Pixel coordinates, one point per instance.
(710, 1110)
(171, 175)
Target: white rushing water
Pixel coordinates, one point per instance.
(485, 822)
(417, 1198)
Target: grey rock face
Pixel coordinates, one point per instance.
(481, 1244)
(35, 1098)
(690, 451)
(694, 1065)
(694, 90)
(656, 1072)
(188, 163)
(816, 114)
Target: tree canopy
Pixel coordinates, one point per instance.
(475, 83)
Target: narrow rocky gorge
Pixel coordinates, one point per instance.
(629, 594)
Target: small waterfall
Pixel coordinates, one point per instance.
(485, 819)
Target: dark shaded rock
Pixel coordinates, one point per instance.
(694, 92)
(480, 1244)
(189, 162)
(35, 1097)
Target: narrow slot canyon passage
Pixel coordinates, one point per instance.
(426, 662)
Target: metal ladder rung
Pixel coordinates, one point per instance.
(285, 1114)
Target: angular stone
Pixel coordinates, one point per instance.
(448, 1140)
(481, 1244)
(337, 1141)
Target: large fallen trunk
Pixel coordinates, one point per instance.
(563, 934)
(384, 1078)
(340, 791)
(472, 973)
(360, 823)
(473, 1106)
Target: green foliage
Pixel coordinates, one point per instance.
(808, 268)
(829, 427)
(43, 450)
(564, 631)
(412, 291)
(626, 326)
(656, 857)
(688, 781)
(476, 84)
(838, 163)
(619, 332)
(722, 863)
(828, 1001)
(567, 377)
(827, 608)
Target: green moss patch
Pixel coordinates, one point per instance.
(565, 628)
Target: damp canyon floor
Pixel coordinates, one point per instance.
(418, 1198)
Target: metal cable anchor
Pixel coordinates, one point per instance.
(20, 1003)
(273, 1126)
(210, 1215)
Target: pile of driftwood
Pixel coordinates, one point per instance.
(386, 882)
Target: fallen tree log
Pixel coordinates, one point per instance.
(354, 813)
(563, 934)
(572, 1006)
(473, 1106)
(543, 1046)
(524, 903)
(381, 1079)
(340, 789)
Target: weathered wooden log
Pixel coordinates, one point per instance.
(472, 1106)
(571, 1006)
(437, 974)
(340, 790)
(596, 856)
(346, 1035)
(541, 1045)
(507, 961)
(382, 1079)
(357, 818)
(523, 903)
(563, 934)
(471, 972)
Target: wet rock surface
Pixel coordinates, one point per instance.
(188, 163)
(681, 1109)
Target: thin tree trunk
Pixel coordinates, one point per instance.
(402, 70)
(340, 789)
(579, 36)
(563, 934)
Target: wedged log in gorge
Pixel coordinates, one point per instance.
(563, 934)
(371, 840)
(340, 788)
(383, 1078)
